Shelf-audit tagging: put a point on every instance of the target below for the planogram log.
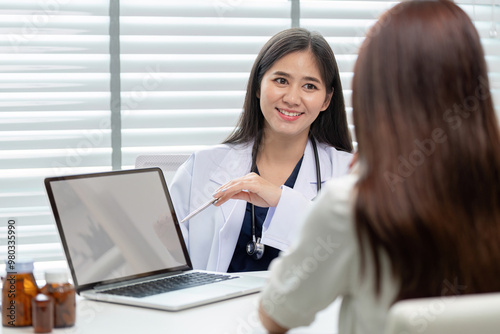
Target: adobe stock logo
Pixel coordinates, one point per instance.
(423, 150)
(453, 117)
(35, 22)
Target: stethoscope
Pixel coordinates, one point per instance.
(254, 247)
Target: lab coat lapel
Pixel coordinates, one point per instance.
(306, 179)
(236, 163)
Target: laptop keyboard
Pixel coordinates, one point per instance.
(167, 284)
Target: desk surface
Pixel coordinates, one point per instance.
(234, 316)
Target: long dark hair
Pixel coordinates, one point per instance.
(429, 152)
(330, 126)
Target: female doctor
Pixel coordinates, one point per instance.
(292, 137)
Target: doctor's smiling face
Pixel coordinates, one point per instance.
(292, 94)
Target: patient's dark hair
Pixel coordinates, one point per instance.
(428, 193)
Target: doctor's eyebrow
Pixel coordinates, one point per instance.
(306, 78)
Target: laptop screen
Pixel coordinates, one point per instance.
(116, 225)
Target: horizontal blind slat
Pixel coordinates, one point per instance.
(63, 44)
(176, 137)
(50, 63)
(181, 100)
(29, 216)
(184, 81)
(38, 252)
(172, 26)
(19, 25)
(54, 82)
(217, 8)
(54, 120)
(191, 44)
(51, 8)
(54, 101)
(344, 10)
(145, 119)
(68, 158)
(19, 200)
(150, 64)
(36, 140)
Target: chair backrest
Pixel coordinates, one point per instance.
(466, 314)
(169, 163)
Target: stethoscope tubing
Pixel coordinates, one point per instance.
(257, 251)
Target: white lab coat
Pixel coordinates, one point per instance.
(211, 236)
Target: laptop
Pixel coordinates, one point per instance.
(119, 232)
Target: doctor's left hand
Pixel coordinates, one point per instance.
(251, 188)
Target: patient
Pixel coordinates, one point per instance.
(419, 215)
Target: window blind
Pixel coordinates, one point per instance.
(54, 111)
(184, 66)
(345, 23)
(184, 69)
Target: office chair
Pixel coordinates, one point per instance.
(169, 163)
(466, 314)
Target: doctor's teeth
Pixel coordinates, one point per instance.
(288, 113)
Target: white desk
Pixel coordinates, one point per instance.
(234, 316)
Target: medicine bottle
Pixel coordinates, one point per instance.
(63, 294)
(43, 313)
(19, 288)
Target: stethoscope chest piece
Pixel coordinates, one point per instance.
(255, 249)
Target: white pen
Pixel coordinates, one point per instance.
(200, 209)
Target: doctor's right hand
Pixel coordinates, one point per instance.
(251, 188)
